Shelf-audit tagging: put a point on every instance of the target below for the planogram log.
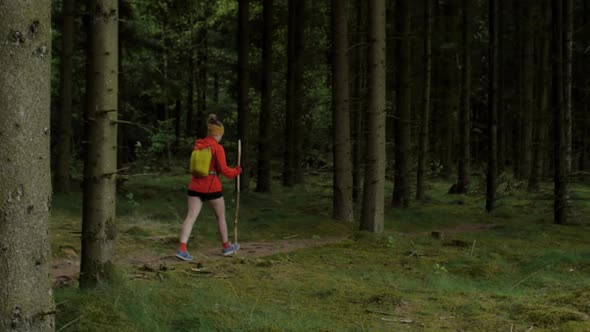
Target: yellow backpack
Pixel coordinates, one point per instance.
(201, 162)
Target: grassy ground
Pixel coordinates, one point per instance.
(523, 273)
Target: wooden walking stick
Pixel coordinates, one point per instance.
(238, 197)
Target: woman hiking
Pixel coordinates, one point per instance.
(208, 189)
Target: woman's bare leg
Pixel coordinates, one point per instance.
(218, 206)
(194, 208)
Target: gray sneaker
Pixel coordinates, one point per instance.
(231, 249)
(184, 255)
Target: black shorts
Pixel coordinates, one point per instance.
(205, 196)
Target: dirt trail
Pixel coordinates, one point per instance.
(65, 270)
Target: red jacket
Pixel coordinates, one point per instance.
(211, 183)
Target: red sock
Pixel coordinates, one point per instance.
(225, 245)
(182, 246)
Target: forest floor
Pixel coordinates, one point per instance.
(299, 271)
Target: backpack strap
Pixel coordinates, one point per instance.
(214, 172)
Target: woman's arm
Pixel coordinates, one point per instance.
(221, 164)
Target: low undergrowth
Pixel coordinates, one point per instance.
(524, 272)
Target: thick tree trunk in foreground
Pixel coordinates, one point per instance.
(64, 144)
(425, 116)
(26, 302)
(265, 122)
(342, 180)
(465, 111)
(244, 88)
(373, 194)
(492, 107)
(403, 145)
(98, 225)
(558, 109)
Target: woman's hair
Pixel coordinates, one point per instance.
(214, 126)
(214, 121)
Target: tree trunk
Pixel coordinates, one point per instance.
(373, 193)
(403, 145)
(544, 78)
(449, 119)
(100, 168)
(465, 115)
(568, 17)
(26, 302)
(202, 59)
(165, 104)
(559, 129)
(64, 144)
(190, 99)
(360, 70)
(425, 116)
(292, 163)
(265, 122)
(342, 178)
(298, 139)
(528, 93)
(503, 123)
(492, 107)
(391, 89)
(244, 89)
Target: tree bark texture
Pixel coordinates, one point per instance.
(64, 144)
(190, 99)
(425, 115)
(568, 21)
(492, 107)
(449, 118)
(26, 302)
(244, 89)
(558, 109)
(358, 96)
(202, 79)
(265, 122)
(528, 65)
(465, 110)
(292, 172)
(373, 193)
(503, 129)
(100, 168)
(542, 114)
(299, 39)
(342, 209)
(403, 145)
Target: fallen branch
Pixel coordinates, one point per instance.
(70, 323)
(378, 312)
(527, 278)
